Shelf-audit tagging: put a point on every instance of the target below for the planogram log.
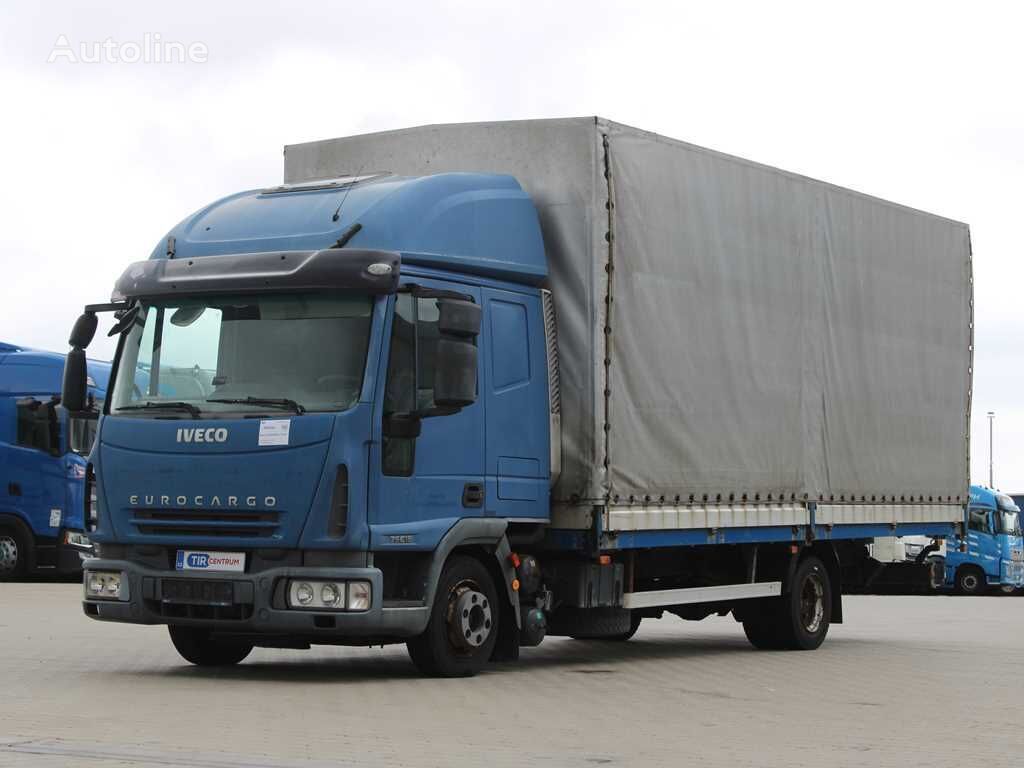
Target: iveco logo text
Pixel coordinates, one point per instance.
(136, 500)
(211, 435)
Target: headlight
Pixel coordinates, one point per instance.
(76, 539)
(105, 585)
(329, 595)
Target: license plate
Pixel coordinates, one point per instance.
(199, 560)
(197, 591)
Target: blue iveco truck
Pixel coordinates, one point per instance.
(42, 464)
(993, 555)
(463, 386)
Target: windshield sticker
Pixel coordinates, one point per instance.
(274, 431)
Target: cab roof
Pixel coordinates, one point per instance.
(467, 222)
(25, 371)
(988, 497)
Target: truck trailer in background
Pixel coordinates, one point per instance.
(462, 386)
(42, 464)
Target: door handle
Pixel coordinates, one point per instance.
(473, 495)
(13, 489)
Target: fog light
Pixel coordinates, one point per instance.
(331, 596)
(303, 593)
(359, 595)
(105, 585)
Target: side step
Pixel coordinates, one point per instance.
(701, 594)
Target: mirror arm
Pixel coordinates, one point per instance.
(115, 306)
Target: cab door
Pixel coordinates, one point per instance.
(36, 482)
(982, 544)
(425, 483)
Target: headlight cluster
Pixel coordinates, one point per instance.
(76, 539)
(329, 595)
(106, 585)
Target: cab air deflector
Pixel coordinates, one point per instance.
(372, 272)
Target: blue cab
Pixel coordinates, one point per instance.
(994, 551)
(42, 464)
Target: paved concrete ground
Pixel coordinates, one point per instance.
(907, 681)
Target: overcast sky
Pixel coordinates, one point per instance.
(915, 102)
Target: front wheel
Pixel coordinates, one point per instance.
(13, 554)
(200, 647)
(463, 626)
(970, 581)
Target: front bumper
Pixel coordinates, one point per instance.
(257, 605)
(1011, 573)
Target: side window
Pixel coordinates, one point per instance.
(37, 425)
(978, 520)
(412, 364)
(427, 336)
(400, 389)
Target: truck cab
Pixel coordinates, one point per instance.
(991, 555)
(42, 464)
(332, 421)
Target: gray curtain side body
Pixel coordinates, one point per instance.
(768, 333)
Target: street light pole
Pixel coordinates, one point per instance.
(991, 419)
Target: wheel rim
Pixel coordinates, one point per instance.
(812, 603)
(970, 582)
(469, 617)
(8, 554)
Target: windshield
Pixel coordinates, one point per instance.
(292, 352)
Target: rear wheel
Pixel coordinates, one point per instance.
(13, 554)
(970, 581)
(799, 620)
(763, 634)
(200, 647)
(463, 626)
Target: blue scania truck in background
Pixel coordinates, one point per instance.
(464, 386)
(42, 464)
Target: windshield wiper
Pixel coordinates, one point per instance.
(278, 402)
(151, 405)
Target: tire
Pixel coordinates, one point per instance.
(970, 581)
(197, 646)
(610, 629)
(799, 619)
(463, 626)
(763, 634)
(14, 553)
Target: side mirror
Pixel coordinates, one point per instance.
(455, 373)
(458, 317)
(84, 330)
(403, 426)
(76, 377)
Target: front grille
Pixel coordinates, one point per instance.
(206, 523)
